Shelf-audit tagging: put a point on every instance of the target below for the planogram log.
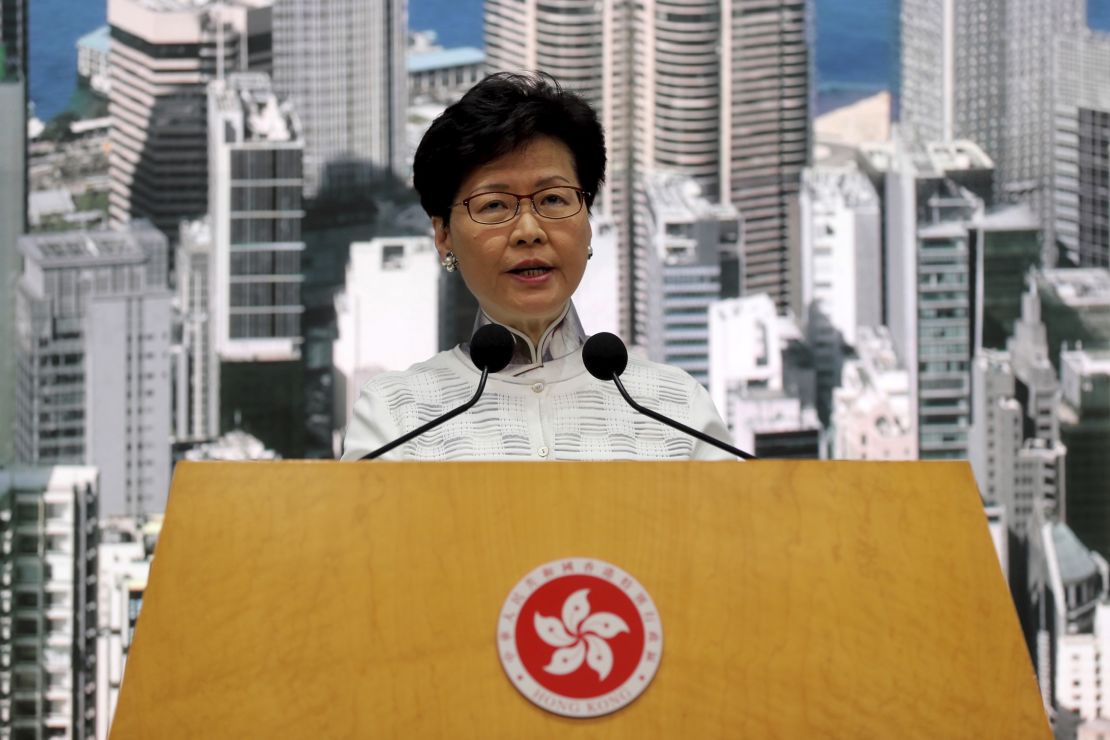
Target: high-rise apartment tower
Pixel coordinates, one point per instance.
(985, 70)
(717, 91)
(163, 54)
(342, 62)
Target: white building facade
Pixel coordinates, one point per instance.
(872, 417)
(48, 603)
(840, 261)
(123, 570)
(745, 350)
(94, 320)
(389, 314)
(255, 151)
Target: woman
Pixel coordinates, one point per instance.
(508, 175)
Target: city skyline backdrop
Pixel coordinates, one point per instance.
(856, 52)
(215, 250)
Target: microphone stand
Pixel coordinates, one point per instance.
(433, 423)
(678, 425)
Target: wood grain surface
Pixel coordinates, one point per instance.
(359, 600)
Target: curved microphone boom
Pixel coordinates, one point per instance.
(491, 348)
(606, 357)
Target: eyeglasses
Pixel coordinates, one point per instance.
(499, 208)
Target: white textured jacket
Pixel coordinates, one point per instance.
(543, 406)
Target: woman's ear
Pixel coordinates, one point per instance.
(442, 236)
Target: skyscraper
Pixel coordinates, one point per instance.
(1008, 244)
(48, 604)
(13, 195)
(757, 379)
(1084, 415)
(342, 62)
(931, 298)
(13, 39)
(196, 369)
(839, 262)
(93, 318)
(985, 70)
(717, 91)
(13, 173)
(1082, 150)
(954, 71)
(1026, 476)
(1025, 162)
(256, 150)
(163, 54)
(1074, 306)
(693, 252)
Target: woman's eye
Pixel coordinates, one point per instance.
(492, 205)
(554, 200)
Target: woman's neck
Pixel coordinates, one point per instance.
(534, 329)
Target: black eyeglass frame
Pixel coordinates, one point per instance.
(582, 196)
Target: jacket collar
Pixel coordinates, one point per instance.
(563, 337)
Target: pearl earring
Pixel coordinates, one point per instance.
(589, 251)
(450, 262)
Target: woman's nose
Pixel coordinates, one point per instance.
(527, 229)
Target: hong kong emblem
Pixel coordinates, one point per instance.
(579, 637)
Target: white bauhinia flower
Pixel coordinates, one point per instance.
(579, 636)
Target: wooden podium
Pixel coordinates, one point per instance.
(359, 600)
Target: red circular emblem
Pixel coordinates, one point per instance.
(579, 637)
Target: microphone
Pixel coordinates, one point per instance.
(491, 348)
(606, 358)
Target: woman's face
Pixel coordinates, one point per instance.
(493, 258)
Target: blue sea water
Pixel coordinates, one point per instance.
(856, 42)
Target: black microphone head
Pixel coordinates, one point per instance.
(491, 348)
(604, 354)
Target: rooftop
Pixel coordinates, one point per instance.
(65, 248)
(99, 40)
(1080, 286)
(177, 6)
(944, 230)
(426, 61)
(42, 204)
(1087, 362)
(958, 155)
(235, 445)
(174, 6)
(843, 184)
(930, 160)
(1074, 559)
(1009, 218)
(675, 197)
(249, 99)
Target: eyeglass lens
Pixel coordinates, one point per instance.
(496, 208)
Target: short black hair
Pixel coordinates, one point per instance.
(501, 114)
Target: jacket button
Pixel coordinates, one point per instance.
(537, 387)
(542, 452)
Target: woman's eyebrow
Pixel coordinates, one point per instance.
(486, 187)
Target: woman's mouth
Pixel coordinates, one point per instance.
(531, 272)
